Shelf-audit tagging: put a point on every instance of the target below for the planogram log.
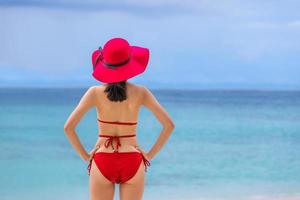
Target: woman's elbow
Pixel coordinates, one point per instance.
(68, 128)
(169, 125)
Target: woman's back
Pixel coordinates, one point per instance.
(112, 111)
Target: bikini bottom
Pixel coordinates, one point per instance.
(118, 167)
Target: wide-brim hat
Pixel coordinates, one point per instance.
(118, 61)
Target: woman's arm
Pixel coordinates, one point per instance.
(87, 101)
(160, 113)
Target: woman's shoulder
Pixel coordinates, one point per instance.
(96, 89)
(135, 85)
(143, 90)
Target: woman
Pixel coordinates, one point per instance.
(116, 157)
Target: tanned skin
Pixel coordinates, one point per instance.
(125, 111)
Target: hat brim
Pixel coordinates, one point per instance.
(136, 65)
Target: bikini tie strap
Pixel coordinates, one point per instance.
(117, 138)
(89, 166)
(90, 162)
(146, 162)
(110, 140)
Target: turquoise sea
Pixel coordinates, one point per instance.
(226, 145)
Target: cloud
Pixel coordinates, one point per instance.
(294, 24)
(212, 42)
(131, 7)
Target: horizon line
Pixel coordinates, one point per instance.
(168, 89)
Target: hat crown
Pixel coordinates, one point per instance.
(116, 50)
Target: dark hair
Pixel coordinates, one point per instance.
(116, 91)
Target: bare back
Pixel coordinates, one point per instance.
(125, 111)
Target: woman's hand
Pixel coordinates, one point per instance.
(92, 152)
(145, 154)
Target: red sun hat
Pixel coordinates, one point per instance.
(118, 61)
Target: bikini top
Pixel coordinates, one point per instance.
(110, 139)
(116, 122)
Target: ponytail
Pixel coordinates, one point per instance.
(116, 91)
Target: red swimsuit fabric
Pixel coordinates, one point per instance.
(118, 167)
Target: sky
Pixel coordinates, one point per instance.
(201, 44)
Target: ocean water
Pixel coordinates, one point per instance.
(226, 145)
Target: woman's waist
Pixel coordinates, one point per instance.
(123, 148)
(120, 141)
(117, 143)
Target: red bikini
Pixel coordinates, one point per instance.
(118, 167)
